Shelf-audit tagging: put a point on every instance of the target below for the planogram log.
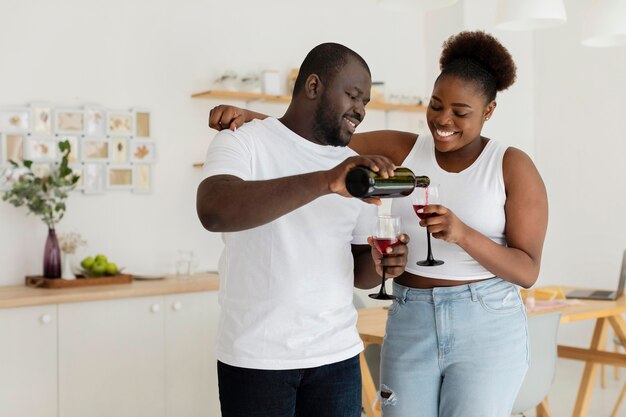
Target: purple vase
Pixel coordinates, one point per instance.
(52, 256)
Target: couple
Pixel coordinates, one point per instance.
(456, 342)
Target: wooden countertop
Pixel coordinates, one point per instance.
(23, 296)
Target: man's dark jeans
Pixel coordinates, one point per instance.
(327, 391)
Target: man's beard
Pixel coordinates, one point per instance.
(326, 127)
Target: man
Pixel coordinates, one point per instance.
(287, 343)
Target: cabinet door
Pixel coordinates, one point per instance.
(191, 376)
(111, 358)
(28, 361)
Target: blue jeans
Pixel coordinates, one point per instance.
(457, 351)
(326, 391)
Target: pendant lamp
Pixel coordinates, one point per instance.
(605, 24)
(529, 14)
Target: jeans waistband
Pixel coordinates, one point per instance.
(454, 292)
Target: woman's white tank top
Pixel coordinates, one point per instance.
(475, 195)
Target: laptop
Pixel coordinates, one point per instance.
(603, 294)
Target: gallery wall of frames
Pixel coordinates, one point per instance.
(110, 149)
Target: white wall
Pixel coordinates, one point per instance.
(155, 54)
(580, 150)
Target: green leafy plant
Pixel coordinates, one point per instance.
(43, 196)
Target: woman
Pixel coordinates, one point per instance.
(456, 341)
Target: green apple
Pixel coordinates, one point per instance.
(87, 263)
(111, 268)
(99, 268)
(101, 258)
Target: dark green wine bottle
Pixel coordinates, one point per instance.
(363, 183)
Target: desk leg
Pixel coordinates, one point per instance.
(543, 410)
(369, 389)
(598, 342)
(619, 326)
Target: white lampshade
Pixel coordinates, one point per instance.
(605, 24)
(529, 14)
(406, 5)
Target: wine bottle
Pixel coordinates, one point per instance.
(363, 183)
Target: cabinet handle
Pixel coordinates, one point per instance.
(155, 308)
(177, 306)
(45, 319)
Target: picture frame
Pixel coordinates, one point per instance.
(94, 150)
(41, 149)
(119, 177)
(119, 150)
(69, 121)
(142, 151)
(119, 123)
(143, 178)
(93, 178)
(12, 145)
(41, 118)
(15, 120)
(95, 121)
(75, 155)
(78, 170)
(142, 123)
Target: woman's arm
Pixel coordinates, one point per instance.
(230, 117)
(526, 211)
(393, 144)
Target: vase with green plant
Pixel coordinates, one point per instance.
(44, 196)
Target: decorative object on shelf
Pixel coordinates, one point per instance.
(44, 197)
(69, 243)
(271, 82)
(378, 91)
(529, 14)
(291, 81)
(227, 81)
(250, 83)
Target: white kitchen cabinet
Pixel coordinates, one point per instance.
(28, 361)
(111, 358)
(190, 367)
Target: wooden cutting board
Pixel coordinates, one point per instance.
(42, 282)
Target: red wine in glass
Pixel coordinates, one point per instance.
(421, 198)
(385, 235)
(383, 243)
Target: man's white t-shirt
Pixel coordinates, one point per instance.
(286, 287)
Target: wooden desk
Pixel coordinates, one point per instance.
(371, 326)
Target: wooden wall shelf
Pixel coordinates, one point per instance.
(244, 96)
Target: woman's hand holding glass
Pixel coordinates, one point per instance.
(389, 251)
(423, 199)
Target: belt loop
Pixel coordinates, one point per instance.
(472, 289)
(404, 291)
(401, 291)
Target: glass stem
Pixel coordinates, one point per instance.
(430, 252)
(383, 290)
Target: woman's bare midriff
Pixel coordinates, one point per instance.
(416, 281)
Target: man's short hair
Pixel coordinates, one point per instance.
(326, 60)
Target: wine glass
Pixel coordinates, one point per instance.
(421, 198)
(385, 235)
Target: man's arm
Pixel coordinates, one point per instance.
(226, 203)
